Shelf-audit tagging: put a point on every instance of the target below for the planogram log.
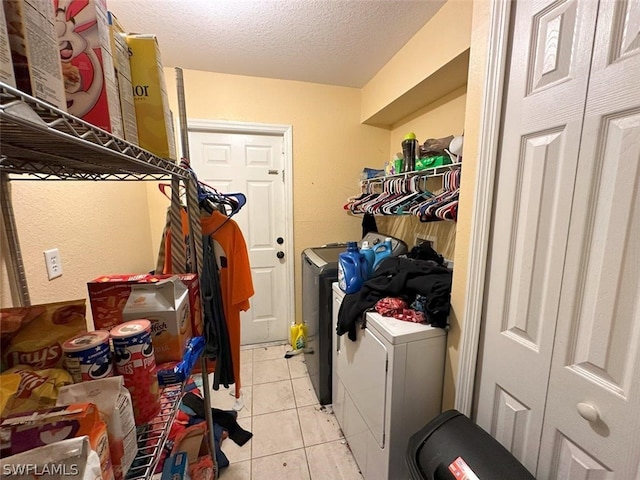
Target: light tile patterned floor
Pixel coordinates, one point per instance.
(293, 436)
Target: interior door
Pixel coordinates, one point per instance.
(592, 424)
(253, 165)
(546, 88)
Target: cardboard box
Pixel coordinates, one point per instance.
(45, 427)
(120, 53)
(87, 65)
(166, 305)
(108, 295)
(6, 65)
(155, 127)
(34, 50)
(114, 403)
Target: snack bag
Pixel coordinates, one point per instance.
(23, 389)
(34, 335)
(45, 427)
(71, 459)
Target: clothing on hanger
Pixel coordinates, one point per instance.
(236, 285)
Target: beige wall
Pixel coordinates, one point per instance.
(443, 38)
(330, 146)
(99, 228)
(472, 129)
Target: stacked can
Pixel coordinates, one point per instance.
(88, 356)
(137, 365)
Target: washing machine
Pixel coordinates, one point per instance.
(386, 386)
(319, 271)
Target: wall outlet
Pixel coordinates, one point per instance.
(53, 263)
(427, 238)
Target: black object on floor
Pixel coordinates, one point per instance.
(452, 442)
(226, 420)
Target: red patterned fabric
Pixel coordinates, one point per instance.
(398, 308)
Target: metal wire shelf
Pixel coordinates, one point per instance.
(427, 173)
(153, 436)
(46, 143)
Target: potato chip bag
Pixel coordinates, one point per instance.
(23, 389)
(34, 335)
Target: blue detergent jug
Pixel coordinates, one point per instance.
(352, 269)
(369, 256)
(382, 251)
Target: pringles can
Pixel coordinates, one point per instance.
(134, 360)
(87, 356)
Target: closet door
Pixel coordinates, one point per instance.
(592, 421)
(546, 88)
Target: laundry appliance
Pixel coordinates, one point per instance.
(386, 386)
(319, 271)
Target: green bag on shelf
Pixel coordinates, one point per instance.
(432, 162)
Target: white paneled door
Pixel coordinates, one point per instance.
(559, 381)
(547, 85)
(254, 165)
(592, 422)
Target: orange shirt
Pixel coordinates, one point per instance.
(235, 276)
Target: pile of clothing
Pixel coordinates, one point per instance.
(420, 279)
(190, 424)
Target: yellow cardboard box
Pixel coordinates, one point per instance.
(155, 128)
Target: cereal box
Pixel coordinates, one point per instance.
(45, 427)
(6, 65)
(165, 304)
(108, 295)
(87, 65)
(155, 127)
(120, 53)
(34, 49)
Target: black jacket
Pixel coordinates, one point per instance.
(399, 277)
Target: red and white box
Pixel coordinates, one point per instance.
(87, 64)
(108, 296)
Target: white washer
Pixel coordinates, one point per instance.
(386, 386)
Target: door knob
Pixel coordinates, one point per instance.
(588, 411)
(280, 240)
(280, 254)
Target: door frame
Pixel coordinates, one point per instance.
(482, 209)
(286, 132)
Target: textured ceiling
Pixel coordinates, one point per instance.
(337, 42)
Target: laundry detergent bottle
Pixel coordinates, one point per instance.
(352, 269)
(382, 251)
(369, 256)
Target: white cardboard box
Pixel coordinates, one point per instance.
(34, 49)
(166, 305)
(6, 65)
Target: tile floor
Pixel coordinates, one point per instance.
(293, 436)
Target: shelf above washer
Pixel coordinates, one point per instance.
(42, 142)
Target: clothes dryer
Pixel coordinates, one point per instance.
(387, 385)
